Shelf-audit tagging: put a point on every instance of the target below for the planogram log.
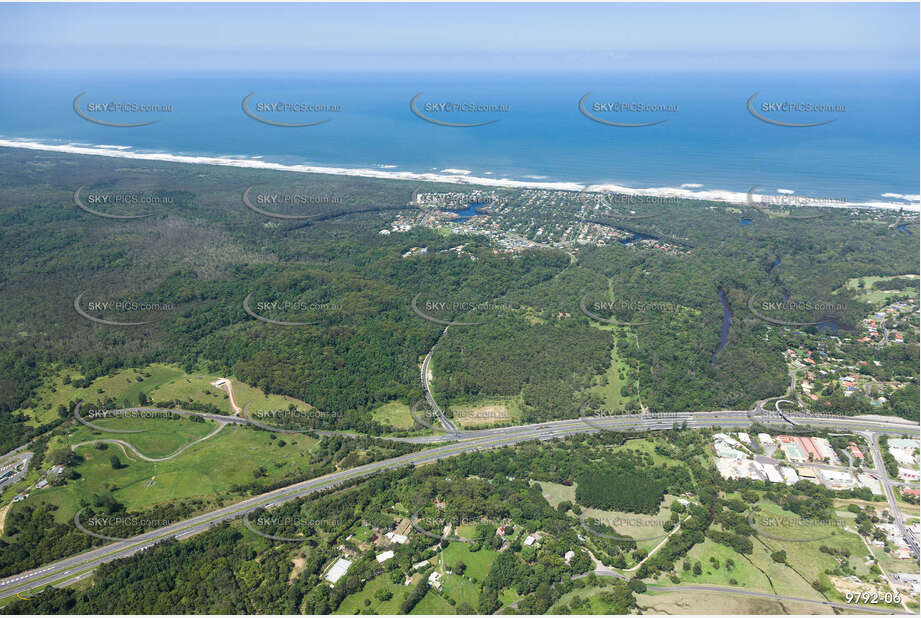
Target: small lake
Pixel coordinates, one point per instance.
(469, 211)
(637, 236)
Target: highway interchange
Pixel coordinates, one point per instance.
(76, 567)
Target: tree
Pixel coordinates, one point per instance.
(697, 568)
(637, 585)
(116, 462)
(779, 556)
(63, 457)
(460, 567)
(383, 594)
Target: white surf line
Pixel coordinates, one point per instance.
(685, 192)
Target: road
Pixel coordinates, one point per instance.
(880, 469)
(449, 425)
(80, 565)
(13, 466)
(130, 447)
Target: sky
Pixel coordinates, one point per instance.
(477, 37)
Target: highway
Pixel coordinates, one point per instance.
(77, 566)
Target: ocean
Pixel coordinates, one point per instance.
(710, 145)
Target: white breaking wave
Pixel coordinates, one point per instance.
(449, 175)
(691, 185)
(786, 191)
(904, 196)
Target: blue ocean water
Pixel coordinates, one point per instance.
(712, 140)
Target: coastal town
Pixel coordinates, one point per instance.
(510, 223)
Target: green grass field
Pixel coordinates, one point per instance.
(461, 590)
(355, 603)
(647, 446)
(608, 385)
(395, 414)
(204, 471)
(124, 386)
(196, 388)
(160, 438)
(258, 401)
(485, 412)
(478, 562)
(758, 571)
(710, 603)
(870, 295)
(432, 603)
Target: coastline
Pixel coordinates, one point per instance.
(460, 177)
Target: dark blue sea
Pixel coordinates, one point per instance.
(709, 142)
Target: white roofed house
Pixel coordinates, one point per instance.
(790, 476)
(338, 570)
(773, 474)
(385, 556)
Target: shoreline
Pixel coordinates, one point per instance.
(454, 176)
